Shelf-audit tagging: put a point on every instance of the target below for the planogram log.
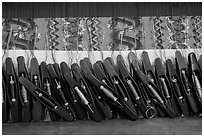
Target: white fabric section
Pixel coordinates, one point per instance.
(75, 56)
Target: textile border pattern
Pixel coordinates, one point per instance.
(103, 33)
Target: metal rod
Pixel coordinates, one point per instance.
(164, 86)
(84, 87)
(185, 80)
(198, 86)
(59, 88)
(12, 89)
(83, 98)
(104, 81)
(36, 80)
(47, 101)
(2, 95)
(150, 76)
(48, 86)
(129, 82)
(177, 88)
(155, 93)
(109, 94)
(120, 89)
(24, 92)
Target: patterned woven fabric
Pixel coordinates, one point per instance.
(103, 33)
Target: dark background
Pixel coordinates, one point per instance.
(102, 9)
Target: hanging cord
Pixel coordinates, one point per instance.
(69, 55)
(27, 59)
(28, 56)
(77, 35)
(53, 56)
(188, 47)
(9, 38)
(160, 55)
(112, 53)
(163, 55)
(31, 55)
(90, 39)
(143, 31)
(5, 54)
(46, 45)
(135, 33)
(197, 51)
(138, 59)
(5, 51)
(121, 39)
(81, 52)
(78, 32)
(35, 40)
(186, 56)
(155, 51)
(66, 43)
(102, 55)
(144, 34)
(34, 44)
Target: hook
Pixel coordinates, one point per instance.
(9, 39)
(70, 55)
(46, 45)
(155, 51)
(182, 51)
(160, 55)
(53, 57)
(121, 33)
(196, 51)
(163, 55)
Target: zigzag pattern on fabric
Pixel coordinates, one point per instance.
(198, 30)
(52, 29)
(158, 33)
(95, 35)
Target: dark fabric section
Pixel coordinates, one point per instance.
(102, 9)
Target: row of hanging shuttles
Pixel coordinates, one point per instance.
(132, 86)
